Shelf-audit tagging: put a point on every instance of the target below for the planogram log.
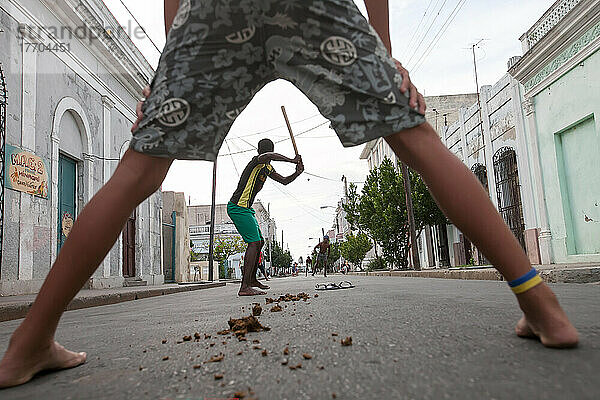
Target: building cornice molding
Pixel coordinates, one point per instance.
(116, 52)
(22, 15)
(571, 41)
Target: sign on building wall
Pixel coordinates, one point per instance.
(25, 172)
(200, 246)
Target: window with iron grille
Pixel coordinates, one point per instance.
(508, 190)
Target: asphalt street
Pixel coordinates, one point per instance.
(412, 339)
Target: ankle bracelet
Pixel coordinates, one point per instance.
(526, 282)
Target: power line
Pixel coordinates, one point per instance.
(442, 30)
(141, 27)
(279, 141)
(233, 161)
(426, 32)
(410, 42)
(279, 127)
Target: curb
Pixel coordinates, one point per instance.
(575, 275)
(14, 311)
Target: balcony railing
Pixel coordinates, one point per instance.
(549, 20)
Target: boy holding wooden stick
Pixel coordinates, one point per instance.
(217, 56)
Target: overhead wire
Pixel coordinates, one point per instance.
(426, 33)
(141, 27)
(278, 141)
(437, 38)
(410, 42)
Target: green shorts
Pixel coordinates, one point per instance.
(245, 222)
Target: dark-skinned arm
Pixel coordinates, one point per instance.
(379, 18)
(286, 180)
(171, 7)
(268, 157)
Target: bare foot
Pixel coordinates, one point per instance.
(545, 319)
(249, 291)
(260, 285)
(16, 370)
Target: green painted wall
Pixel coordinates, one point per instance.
(568, 123)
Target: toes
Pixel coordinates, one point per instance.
(524, 330)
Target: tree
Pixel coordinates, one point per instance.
(380, 210)
(355, 248)
(224, 247)
(281, 259)
(334, 255)
(193, 255)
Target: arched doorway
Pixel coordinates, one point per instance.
(480, 172)
(3, 101)
(508, 190)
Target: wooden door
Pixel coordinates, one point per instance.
(129, 247)
(66, 197)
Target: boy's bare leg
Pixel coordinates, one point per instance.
(255, 281)
(467, 205)
(32, 347)
(248, 272)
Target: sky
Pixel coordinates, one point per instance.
(432, 38)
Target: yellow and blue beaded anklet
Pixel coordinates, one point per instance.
(526, 282)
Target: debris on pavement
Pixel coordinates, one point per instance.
(306, 356)
(218, 377)
(264, 353)
(241, 326)
(288, 297)
(187, 338)
(347, 341)
(286, 351)
(218, 358)
(165, 358)
(276, 308)
(256, 310)
(164, 341)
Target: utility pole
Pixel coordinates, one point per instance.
(478, 92)
(211, 253)
(411, 218)
(269, 237)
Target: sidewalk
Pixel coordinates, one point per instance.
(15, 307)
(555, 273)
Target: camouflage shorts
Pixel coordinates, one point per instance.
(219, 53)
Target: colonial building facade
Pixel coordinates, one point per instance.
(72, 80)
(199, 225)
(443, 112)
(560, 76)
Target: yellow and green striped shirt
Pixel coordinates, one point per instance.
(251, 182)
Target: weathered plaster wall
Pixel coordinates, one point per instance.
(571, 99)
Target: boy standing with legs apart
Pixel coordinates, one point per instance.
(217, 56)
(241, 213)
(322, 255)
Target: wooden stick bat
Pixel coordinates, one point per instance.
(287, 121)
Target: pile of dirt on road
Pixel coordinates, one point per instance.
(256, 310)
(288, 297)
(241, 326)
